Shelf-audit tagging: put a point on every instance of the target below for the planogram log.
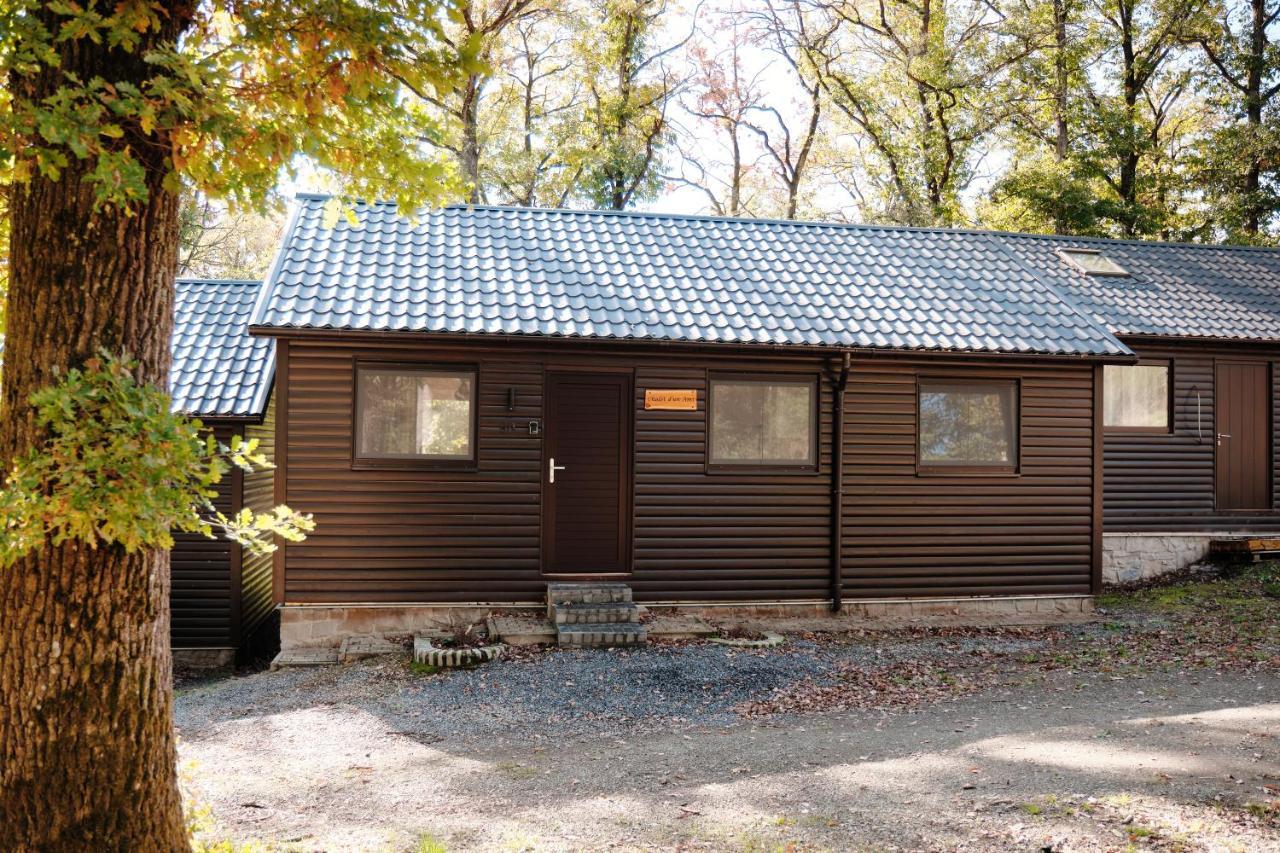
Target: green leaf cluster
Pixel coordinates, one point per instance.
(233, 95)
(624, 127)
(117, 467)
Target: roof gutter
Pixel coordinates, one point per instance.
(230, 419)
(798, 350)
(1198, 340)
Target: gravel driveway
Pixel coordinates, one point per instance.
(1138, 730)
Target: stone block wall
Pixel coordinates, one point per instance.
(326, 627)
(319, 627)
(203, 658)
(1129, 557)
(996, 609)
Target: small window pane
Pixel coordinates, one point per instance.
(1091, 262)
(762, 423)
(414, 414)
(1136, 396)
(968, 424)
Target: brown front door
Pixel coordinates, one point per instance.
(1243, 420)
(586, 476)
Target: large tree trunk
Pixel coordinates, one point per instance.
(1061, 83)
(87, 759)
(1258, 44)
(469, 158)
(1131, 91)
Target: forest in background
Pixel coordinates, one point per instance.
(1123, 118)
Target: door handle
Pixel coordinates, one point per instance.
(554, 468)
(1223, 435)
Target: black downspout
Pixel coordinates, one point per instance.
(837, 486)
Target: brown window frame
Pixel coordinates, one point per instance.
(933, 469)
(415, 463)
(1167, 429)
(810, 467)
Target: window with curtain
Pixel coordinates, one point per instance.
(1136, 396)
(414, 414)
(762, 422)
(968, 424)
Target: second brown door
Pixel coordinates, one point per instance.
(587, 474)
(1243, 419)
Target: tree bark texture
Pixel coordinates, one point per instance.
(87, 757)
(469, 157)
(1253, 98)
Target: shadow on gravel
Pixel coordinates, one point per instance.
(1190, 756)
(1160, 718)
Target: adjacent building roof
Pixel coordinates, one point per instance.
(648, 276)
(1171, 289)
(218, 369)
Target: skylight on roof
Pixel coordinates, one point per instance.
(1091, 262)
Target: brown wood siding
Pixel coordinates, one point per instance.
(910, 534)
(411, 535)
(259, 496)
(201, 596)
(698, 534)
(725, 536)
(1166, 482)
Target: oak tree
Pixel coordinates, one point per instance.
(106, 109)
(532, 129)
(717, 155)
(479, 27)
(919, 82)
(218, 241)
(1241, 156)
(1138, 94)
(630, 85)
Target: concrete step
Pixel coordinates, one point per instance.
(602, 634)
(305, 657)
(586, 614)
(587, 593)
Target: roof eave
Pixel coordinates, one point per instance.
(1127, 357)
(1205, 340)
(207, 417)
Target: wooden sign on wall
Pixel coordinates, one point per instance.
(671, 399)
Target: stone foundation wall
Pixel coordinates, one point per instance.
(203, 658)
(1128, 557)
(326, 627)
(1007, 608)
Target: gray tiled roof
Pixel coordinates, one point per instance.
(1177, 289)
(641, 276)
(218, 370)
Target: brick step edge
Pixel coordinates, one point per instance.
(588, 593)
(618, 612)
(603, 634)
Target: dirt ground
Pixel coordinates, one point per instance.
(1168, 739)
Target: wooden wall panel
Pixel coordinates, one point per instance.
(724, 536)
(914, 534)
(457, 536)
(412, 535)
(201, 594)
(1166, 482)
(259, 495)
